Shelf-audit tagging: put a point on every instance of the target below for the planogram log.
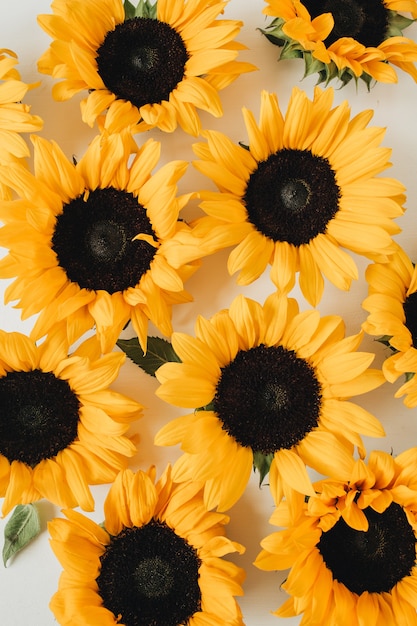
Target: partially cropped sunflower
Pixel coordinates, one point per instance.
(61, 427)
(305, 188)
(87, 241)
(156, 559)
(165, 61)
(350, 548)
(15, 116)
(345, 39)
(271, 386)
(392, 307)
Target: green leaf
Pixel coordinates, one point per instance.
(22, 527)
(159, 351)
(262, 463)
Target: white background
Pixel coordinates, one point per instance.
(32, 577)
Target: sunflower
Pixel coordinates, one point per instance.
(345, 39)
(305, 188)
(351, 547)
(15, 116)
(156, 559)
(163, 61)
(271, 385)
(392, 307)
(87, 241)
(61, 427)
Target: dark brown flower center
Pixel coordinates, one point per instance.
(375, 560)
(410, 312)
(149, 576)
(142, 60)
(364, 20)
(39, 416)
(94, 240)
(267, 398)
(292, 196)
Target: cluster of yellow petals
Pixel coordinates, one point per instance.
(15, 115)
(346, 52)
(134, 500)
(379, 482)
(102, 446)
(389, 286)
(111, 160)
(313, 591)
(216, 458)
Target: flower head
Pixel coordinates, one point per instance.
(150, 67)
(391, 304)
(345, 39)
(272, 384)
(61, 427)
(350, 547)
(88, 242)
(155, 560)
(15, 116)
(305, 188)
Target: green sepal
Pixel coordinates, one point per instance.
(262, 463)
(22, 527)
(396, 24)
(314, 66)
(368, 80)
(292, 49)
(385, 340)
(409, 376)
(274, 33)
(272, 39)
(129, 10)
(206, 407)
(158, 352)
(143, 9)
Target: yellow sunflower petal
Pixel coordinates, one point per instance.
(50, 480)
(358, 418)
(323, 452)
(247, 316)
(293, 471)
(284, 266)
(227, 490)
(355, 518)
(196, 391)
(251, 257)
(77, 478)
(311, 279)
